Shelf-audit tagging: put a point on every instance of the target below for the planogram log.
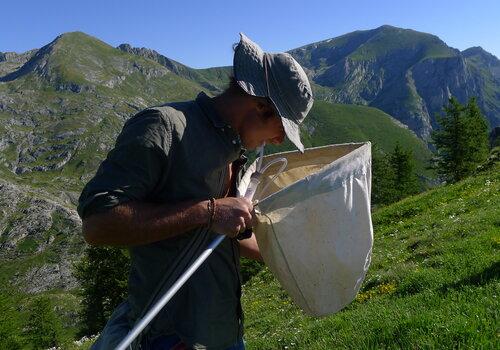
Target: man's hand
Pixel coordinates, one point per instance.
(232, 215)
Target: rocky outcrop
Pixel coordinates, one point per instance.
(437, 79)
(172, 65)
(11, 61)
(48, 276)
(41, 235)
(181, 70)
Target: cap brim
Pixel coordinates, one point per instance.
(292, 131)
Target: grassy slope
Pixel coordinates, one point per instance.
(433, 282)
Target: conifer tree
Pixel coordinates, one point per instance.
(43, 327)
(10, 334)
(382, 177)
(461, 140)
(393, 175)
(103, 274)
(405, 181)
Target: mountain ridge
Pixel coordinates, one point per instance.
(406, 73)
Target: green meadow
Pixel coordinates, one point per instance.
(433, 281)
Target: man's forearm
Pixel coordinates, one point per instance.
(250, 249)
(136, 223)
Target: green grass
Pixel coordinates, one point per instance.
(433, 281)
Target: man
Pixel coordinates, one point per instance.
(168, 187)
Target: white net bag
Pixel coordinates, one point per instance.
(314, 224)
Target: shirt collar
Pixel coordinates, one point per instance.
(208, 109)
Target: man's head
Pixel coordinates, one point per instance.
(257, 119)
(277, 80)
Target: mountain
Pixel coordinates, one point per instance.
(407, 74)
(11, 61)
(61, 110)
(329, 123)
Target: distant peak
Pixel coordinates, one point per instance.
(75, 34)
(478, 50)
(75, 37)
(474, 49)
(141, 51)
(386, 26)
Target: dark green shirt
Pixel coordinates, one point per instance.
(168, 154)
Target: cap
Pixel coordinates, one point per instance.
(277, 76)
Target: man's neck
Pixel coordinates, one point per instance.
(227, 107)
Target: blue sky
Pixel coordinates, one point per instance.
(201, 33)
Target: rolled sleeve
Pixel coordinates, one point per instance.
(133, 168)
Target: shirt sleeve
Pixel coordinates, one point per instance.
(132, 169)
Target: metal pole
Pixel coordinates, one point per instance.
(170, 293)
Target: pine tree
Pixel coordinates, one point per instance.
(103, 274)
(461, 141)
(10, 327)
(393, 175)
(405, 181)
(478, 134)
(382, 177)
(43, 328)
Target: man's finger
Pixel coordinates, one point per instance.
(236, 231)
(248, 220)
(242, 224)
(249, 204)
